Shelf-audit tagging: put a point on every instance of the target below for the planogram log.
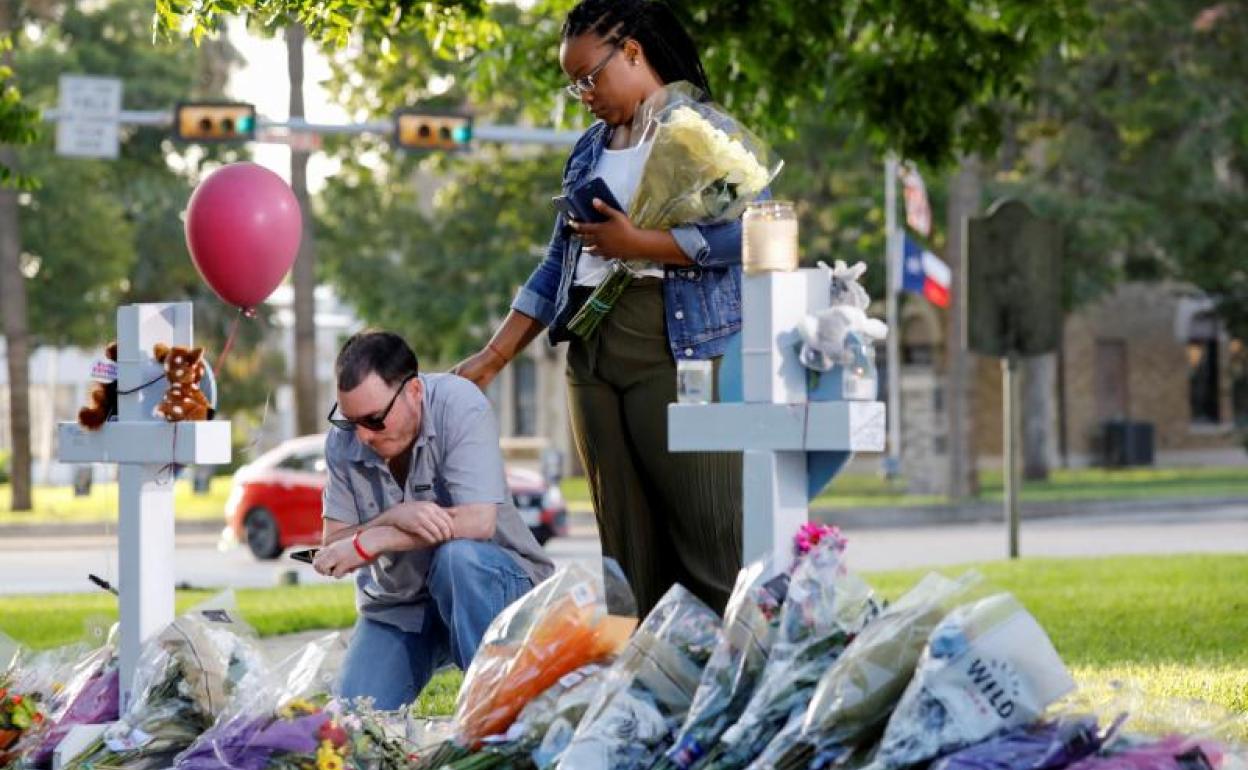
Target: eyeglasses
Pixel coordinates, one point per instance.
(585, 83)
(374, 422)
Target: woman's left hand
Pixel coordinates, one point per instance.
(616, 238)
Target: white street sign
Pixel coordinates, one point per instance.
(89, 116)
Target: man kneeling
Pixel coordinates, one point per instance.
(417, 506)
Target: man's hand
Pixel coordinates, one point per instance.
(338, 559)
(616, 238)
(427, 522)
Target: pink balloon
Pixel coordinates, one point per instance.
(243, 227)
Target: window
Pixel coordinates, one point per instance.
(1202, 370)
(524, 396)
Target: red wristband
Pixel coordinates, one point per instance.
(355, 541)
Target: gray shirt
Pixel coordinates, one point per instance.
(455, 461)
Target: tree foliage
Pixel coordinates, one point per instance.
(923, 78)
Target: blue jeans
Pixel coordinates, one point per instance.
(470, 582)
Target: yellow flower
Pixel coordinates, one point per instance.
(327, 758)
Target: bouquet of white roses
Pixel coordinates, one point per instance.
(701, 167)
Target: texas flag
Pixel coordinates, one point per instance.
(925, 273)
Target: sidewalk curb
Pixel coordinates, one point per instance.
(102, 529)
(986, 512)
(580, 518)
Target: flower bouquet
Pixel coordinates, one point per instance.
(544, 727)
(648, 689)
(184, 678)
(19, 712)
(559, 626)
(702, 167)
(35, 690)
(91, 697)
(987, 667)
(856, 695)
(827, 606)
(1048, 745)
(732, 673)
(276, 715)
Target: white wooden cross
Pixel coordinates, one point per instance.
(776, 426)
(143, 445)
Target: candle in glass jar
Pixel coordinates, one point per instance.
(769, 237)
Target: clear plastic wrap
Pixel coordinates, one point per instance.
(855, 697)
(1047, 745)
(559, 626)
(750, 622)
(263, 718)
(91, 697)
(701, 165)
(184, 678)
(987, 667)
(826, 607)
(544, 727)
(648, 689)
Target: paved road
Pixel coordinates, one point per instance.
(61, 564)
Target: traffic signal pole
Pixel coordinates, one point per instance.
(502, 134)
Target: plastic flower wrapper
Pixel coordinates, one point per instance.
(987, 667)
(1160, 733)
(183, 680)
(265, 716)
(91, 697)
(702, 167)
(1047, 745)
(554, 714)
(750, 622)
(559, 626)
(826, 607)
(855, 696)
(1174, 752)
(649, 688)
(33, 693)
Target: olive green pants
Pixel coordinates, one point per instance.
(666, 517)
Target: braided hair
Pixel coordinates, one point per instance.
(654, 25)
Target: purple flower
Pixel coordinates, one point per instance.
(248, 744)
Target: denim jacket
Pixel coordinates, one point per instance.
(702, 301)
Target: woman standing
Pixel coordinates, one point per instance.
(665, 517)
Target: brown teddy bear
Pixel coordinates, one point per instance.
(103, 395)
(184, 368)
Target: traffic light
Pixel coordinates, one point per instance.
(415, 130)
(215, 122)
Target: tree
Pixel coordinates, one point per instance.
(303, 278)
(18, 123)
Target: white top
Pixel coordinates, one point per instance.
(621, 170)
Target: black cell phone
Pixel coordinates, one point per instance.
(583, 199)
(306, 555)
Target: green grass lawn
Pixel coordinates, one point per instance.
(868, 490)
(1176, 625)
(59, 505)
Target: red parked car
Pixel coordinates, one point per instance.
(275, 502)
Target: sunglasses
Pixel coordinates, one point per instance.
(374, 422)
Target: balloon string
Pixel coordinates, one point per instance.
(229, 341)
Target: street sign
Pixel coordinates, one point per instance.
(1013, 282)
(89, 120)
(1013, 309)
